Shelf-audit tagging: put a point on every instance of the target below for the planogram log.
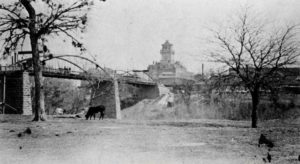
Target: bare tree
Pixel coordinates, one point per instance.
(254, 53)
(24, 19)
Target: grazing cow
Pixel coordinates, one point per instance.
(93, 110)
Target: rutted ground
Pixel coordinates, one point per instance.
(67, 140)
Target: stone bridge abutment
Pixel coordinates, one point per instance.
(15, 93)
(113, 95)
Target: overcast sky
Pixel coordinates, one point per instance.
(127, 34)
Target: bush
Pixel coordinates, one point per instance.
(239, 107)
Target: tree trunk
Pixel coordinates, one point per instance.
(38, 77)
(255, 102)
(39, 102)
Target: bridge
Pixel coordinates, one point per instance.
(15, 89)
(65, 73)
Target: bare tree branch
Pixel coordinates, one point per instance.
(21, 20)
(255, 54)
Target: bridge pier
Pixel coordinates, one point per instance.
(117, 99)
(107, 93)
(16, 93)
(125, 90)
(112, 93)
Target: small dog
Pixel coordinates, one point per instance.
(93, 110)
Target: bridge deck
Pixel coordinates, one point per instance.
(69, 74)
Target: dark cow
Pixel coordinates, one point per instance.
(93, 110)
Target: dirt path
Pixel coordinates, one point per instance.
(150, 142)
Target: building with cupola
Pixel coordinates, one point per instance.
(168, 71)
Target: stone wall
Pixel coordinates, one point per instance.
(18, 94)
(130, 94)
(26, 88)
(104, 94)
(148, 92)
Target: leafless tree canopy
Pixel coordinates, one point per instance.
(37, 19)
(47, 17)
(254, 51)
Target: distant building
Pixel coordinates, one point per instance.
(168, 71)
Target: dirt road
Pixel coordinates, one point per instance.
(78, 141)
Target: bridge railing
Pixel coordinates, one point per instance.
(45, 69)
(61, 71)
(136, 79)
(69, 72)
(10, 68)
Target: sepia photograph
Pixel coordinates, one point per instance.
(149, 81)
